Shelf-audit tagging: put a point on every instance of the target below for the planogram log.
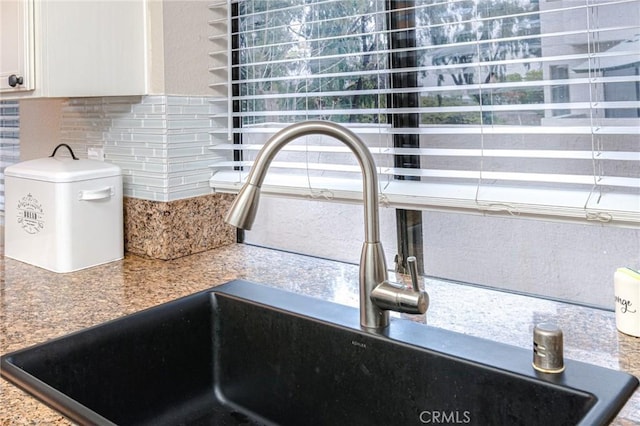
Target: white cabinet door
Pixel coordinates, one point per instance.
(16, 45)
(92, 48)
(73, 48)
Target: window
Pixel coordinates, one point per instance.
(626, 90)
(495, 107)
(459, 101)
(560, 92)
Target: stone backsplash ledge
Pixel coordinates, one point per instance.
(169, 230)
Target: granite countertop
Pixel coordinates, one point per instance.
(37, 305)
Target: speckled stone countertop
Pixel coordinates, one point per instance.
(37, 305)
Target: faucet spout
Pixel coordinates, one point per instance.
(306, 128)
(373, 268)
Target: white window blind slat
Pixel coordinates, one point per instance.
(502, 153)
(517, 106)
(451, 174)
(496, 87)
(578, 129)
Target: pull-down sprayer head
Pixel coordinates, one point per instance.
(243, 211)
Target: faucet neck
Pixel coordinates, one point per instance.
(351, 140)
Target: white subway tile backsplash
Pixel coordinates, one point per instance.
(122, 108)
(153, 99)
(131, 100)
(148, 182)
(120, 151)
(126, 123)
(186, 151)
(178, 100)
(149, 138)
(146, 194)
(160, 168)
(188, 191)
(80, 134)
(187, 110)
(160, 141)
(149, 109)
(189, 137)
(184, 165)
(184, 124)
(190, 178)
(128, 166)
(149, 152)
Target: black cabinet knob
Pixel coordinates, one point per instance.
(14, 80)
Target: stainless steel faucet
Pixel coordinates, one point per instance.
(377, 294)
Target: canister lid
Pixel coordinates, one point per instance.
(61, 169)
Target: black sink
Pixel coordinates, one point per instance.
(243, 353)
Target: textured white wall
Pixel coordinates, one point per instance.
(186, 44)
(39, 127)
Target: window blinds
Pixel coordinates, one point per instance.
(9, 142)
(518, 107)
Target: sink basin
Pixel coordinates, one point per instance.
(243, 353)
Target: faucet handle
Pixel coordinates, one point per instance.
(412, 264)
(397, 297)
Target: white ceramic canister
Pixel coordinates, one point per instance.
(627, 293)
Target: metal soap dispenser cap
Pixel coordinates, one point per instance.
(548, 348)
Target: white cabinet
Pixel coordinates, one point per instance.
(16, 45)
(80, 48)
